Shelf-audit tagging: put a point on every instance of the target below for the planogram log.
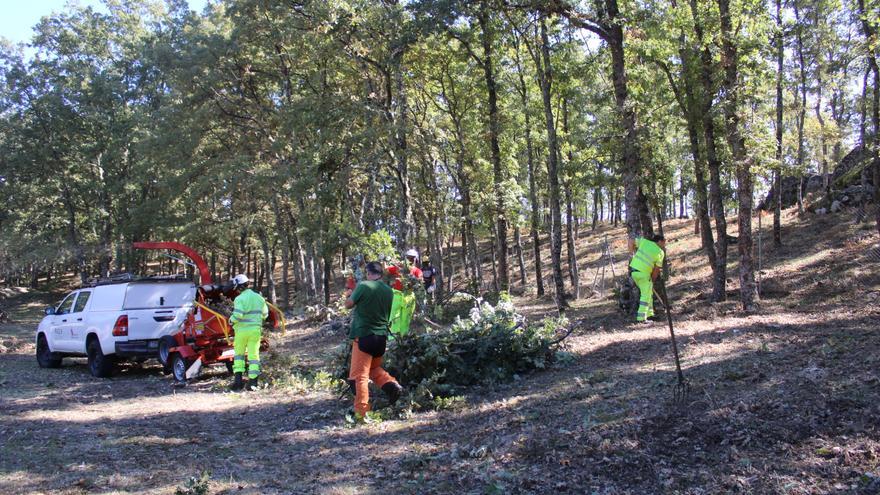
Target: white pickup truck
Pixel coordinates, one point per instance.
(113, 320)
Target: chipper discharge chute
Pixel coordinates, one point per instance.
(206, 336)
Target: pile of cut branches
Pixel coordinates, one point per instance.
(493, 344)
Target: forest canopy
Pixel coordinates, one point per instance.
(290, 135)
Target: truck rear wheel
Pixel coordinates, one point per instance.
(165, 345)
(100, 365)
(45, 357)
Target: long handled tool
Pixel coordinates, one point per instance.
(683, 388)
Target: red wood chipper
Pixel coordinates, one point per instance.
(206, 335)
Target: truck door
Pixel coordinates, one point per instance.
(59, 333)
(157, 309)
(76, 321)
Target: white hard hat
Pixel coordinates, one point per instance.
(413, 253)
(240, 279)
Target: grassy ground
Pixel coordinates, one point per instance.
(784, 400)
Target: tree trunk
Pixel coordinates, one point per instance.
(535, 216)
(545, 74)
(802, 109)
(517, 238)
(492, 244)
(570, 242)
(748, 288)
(399, 121)
(870, 33)
(682, 194)
(311, 270)
(328, 275)
(823, 144)
(719, 290)
(596, 193)
(437, 259)
(569, 212)
(284, 232)
(268, 267)
(631, 159)
(777, 186)
(494, 131)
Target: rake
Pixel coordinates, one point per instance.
(682, 388)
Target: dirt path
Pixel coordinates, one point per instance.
(783, 401)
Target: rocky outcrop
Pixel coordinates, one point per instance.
(809, 184)
(846, 188)
(849, 171)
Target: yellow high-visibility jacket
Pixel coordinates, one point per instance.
(250, 311)
(647, 256)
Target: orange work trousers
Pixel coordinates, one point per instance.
(364, 368)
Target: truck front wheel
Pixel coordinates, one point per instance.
(45, 357)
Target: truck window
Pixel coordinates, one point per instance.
(66, 304)
(158, 295)
(81, 301)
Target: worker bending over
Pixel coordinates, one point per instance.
(645, 267)
(247, 319)
(371, 300)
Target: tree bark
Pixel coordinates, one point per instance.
(570, 242)
(545, 74)
(328, 275)
(517, 238)
(284, 232)
(535, 216)
(802, 109)
(688, 102)
(748, 287)
(777, 186)
(400, 139)
(268, 267)
(569, 212)
(719, 285)
(494, 132)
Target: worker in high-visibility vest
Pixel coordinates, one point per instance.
(247, 319)
(645, 267)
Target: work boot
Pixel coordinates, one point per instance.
(253, 383)
(392, 392)
(237, 384)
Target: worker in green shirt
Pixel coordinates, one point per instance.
(250, 309)
(371, 301)
(645, 267)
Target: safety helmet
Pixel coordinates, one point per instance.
(240, 279)
(413, 253)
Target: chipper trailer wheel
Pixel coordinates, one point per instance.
(179, 367)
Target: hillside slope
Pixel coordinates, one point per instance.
(785, 400)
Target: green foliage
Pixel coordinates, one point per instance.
(377, 245)
(301, 130)
(283, 372)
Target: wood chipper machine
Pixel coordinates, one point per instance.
(206, 336)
